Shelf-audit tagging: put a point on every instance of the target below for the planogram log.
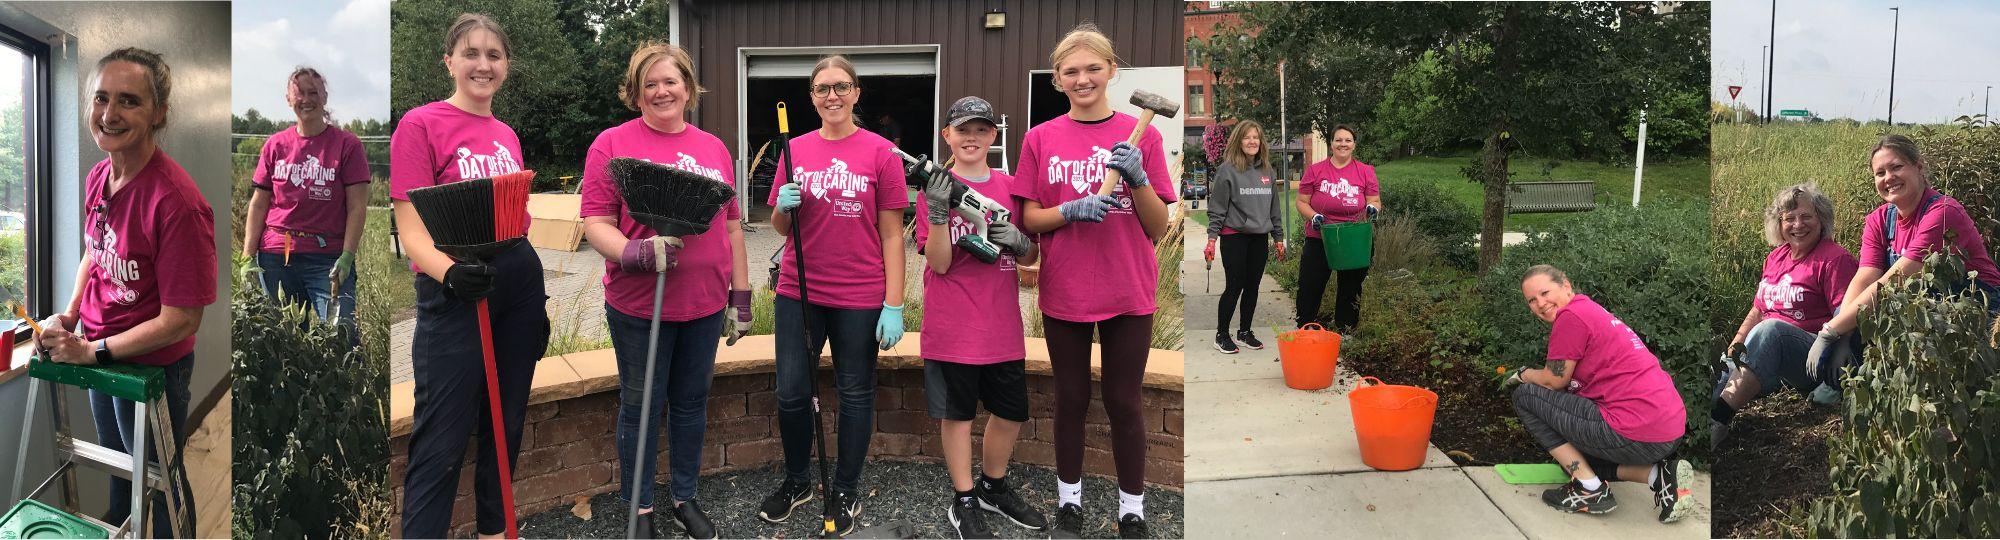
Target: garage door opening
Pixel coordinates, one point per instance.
(898, 100)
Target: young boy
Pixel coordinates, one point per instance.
(976, 354)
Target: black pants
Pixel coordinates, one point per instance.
(1313, 273)
(1557, 418)
(1243, 258)
(451, 403)
(1127, 340)
(851, 333)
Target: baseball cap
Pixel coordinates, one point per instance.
(969, 108)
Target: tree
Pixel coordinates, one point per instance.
(1554, 79)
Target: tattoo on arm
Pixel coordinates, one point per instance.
(1556, 367)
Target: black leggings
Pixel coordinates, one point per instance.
(1313, 273)
(1127, 339)
(1243, 258)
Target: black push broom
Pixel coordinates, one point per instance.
(674, 203)
(474, 221)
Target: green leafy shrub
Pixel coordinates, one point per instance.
(1917, 457)
(1965, 163)
(1450, 224)
(1643, 265)
(311, 426)
(1429, 322)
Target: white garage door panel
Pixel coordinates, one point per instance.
(864, 64)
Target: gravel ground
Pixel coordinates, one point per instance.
(913, 492)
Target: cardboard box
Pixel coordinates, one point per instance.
(556, 224)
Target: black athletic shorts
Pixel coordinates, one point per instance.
(955, 390)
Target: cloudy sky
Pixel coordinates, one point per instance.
(347, 41)
(1833, 56)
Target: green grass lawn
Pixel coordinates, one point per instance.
(1679, 177)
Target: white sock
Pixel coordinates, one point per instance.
(1653, 474)
(1131, 504)
(1591, 483)
(1068, 493)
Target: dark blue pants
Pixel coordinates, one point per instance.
(451, 403)
(684, 366)
(305, 282)
(114, 419)
(852, 332)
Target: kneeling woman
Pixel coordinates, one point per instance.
(1603, 403)
(1805, 279)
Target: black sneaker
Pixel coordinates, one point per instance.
(1132, 526)
(779, 505)
(1249, 339)
(965, 518)
(1008, 504)
(646, 529)
(847, 507)
(693, 521)
(1069, 522)
(1572, 498)
(1674, 499)
(1222, 343)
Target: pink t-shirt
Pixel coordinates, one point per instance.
(309, 196)
(1092, 271)
(150, 244)
(845, 183)
(699, 284)
(981, 300)
(1339, 193)
(1805, 291)
(1920, 236)
(1636, 397)
(439, 144)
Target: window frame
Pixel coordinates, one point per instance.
(37, 133)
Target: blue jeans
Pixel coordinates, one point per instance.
(305, 281)
(852, 332)
(114, 418)
(1776, 351)
(685, 364)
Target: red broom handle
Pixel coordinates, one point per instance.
(499, 420)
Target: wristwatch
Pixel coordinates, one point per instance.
(104, 352)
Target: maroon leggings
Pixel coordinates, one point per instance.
(1127, 340)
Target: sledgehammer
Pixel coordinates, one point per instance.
(1149, 104)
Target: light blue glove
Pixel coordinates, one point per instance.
(1089, 209)
(1126, 159)
(889, 328)
(788, 197)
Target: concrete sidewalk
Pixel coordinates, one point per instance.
(1267, 461)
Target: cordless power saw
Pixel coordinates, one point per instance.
(976, 209)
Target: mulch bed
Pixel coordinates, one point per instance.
(912, 492)
(1774, 462)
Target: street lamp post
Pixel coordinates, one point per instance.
(1893, 30)
(1771, 67)
(1987, 109)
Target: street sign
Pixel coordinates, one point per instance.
(1733, 90)
(1801, 113)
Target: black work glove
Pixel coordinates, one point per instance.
(469, 281)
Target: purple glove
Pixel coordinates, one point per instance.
(650, 254)
(738, 314)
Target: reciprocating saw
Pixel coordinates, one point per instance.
(976, 209)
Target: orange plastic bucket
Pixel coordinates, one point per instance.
(1308, 356)
(1393, 423)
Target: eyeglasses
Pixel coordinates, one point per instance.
(98, 225)
(839, 89)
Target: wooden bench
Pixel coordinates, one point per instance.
(1540, 197)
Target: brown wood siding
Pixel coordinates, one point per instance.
(993, 64)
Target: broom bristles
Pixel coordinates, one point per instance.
(671, 201)
(510, 204)
(458, 213)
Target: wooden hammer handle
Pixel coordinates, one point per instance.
(1111, 176)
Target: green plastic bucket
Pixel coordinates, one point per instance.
(32, 519)
(1349, 246)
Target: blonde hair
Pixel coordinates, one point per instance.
(159, 77)
(467, 22)
(1555, 274)
(1234, 155)
(1084, 38)
(643, 58)
(839, 62)
(1792, 198)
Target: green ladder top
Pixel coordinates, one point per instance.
(123, 381)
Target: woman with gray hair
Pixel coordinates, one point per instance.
(1804, 281)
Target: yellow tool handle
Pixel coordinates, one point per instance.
(22, 312)
(784, 121)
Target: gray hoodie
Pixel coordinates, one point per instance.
(1245, 200)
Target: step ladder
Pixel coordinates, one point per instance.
(152, 429)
